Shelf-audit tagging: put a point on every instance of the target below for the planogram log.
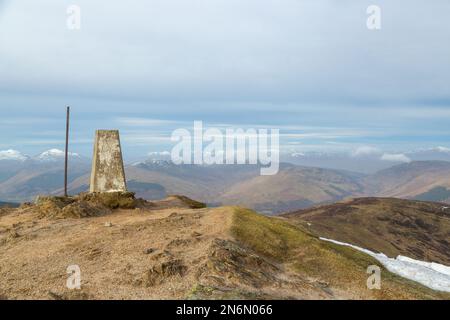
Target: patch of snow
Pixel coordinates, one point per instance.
(432, 275)
(431, 265)
(12, 155)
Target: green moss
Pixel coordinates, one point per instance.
(59, 202)
(270, 237)
(338, 266)
(111, 200)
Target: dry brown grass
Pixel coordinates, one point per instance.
(165, 251)
(395, 227)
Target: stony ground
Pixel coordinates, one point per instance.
(166, 250)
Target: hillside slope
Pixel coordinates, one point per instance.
(410, 180)
(420, 230)
(165, 250)
(293, 187)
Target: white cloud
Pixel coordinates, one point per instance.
(143, 122)
(365, 151)
(443, 149)
(185, 52)
(159, 153)
(395, 157)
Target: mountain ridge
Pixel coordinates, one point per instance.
(295, 187)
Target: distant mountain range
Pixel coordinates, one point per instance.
(366, 159)
(22, 178)
(423, 180)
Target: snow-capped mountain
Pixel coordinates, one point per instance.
(13, 155)
(154, 163)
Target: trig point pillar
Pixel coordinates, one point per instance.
(108, 174)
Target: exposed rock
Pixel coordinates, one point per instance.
(178, 242)
(149, 251)
(230, 264)
(157, 274)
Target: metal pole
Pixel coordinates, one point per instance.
(67, 152)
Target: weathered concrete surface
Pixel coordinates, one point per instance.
(108, 174)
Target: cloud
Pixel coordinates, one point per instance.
(310, 68)
(144, 122)
(12, 155)
(159, 153)
(213, 50)
(365, 151)
(442, 149)
(395, 157)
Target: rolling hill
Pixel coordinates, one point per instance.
(294, 187)
(409, 180)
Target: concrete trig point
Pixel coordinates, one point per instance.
(108, 174)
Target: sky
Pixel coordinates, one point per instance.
(310, 68)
